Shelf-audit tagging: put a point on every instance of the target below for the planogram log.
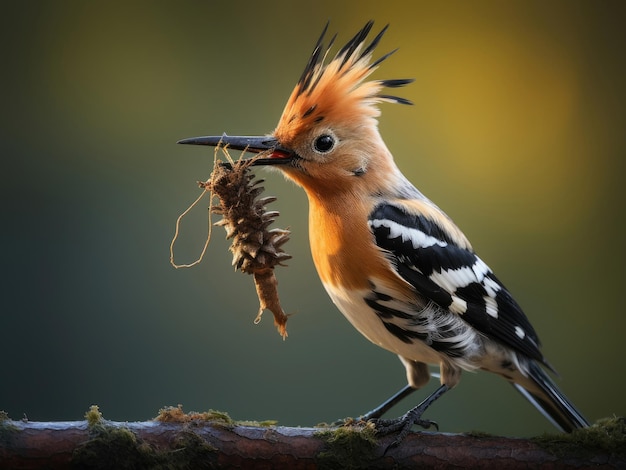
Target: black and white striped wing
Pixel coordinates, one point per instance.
(452, 276)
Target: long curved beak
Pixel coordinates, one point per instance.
(276, 154)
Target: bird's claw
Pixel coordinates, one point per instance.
(389, 426)
(402, 426)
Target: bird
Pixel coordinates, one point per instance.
(397, 267)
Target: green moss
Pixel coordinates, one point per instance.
(257, 424)
(93, 416)
(7, 429)
(607, 436)
(348, 447)
(118, 447)
(192, 451)
(175, 414)
(113, 448)
(217, 416)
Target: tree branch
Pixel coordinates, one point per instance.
(199, 443)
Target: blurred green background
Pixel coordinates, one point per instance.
(518, 133)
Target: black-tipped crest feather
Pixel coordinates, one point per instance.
(313, 71)
(395, 99)
(314, 60)
(347, 50)
(377, 62)
(374, 42)
(396, 83)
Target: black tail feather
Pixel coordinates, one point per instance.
(550, 401)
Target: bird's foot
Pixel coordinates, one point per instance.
(403, 424)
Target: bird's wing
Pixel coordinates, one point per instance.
(442, 267)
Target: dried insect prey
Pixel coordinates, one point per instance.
(256, 249)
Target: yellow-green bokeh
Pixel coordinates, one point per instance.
(517, 132)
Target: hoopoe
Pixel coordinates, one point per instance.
(393, 263)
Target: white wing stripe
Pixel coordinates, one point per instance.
(417, 238)
(453, 279)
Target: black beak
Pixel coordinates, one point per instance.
(276, 154)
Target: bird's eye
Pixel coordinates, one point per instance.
(324, 143)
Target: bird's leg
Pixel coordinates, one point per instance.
(411, 417)
(388, 404)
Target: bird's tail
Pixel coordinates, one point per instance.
(541, 391)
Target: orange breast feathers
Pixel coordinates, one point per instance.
(343, 247)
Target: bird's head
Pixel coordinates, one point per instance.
(327, 134)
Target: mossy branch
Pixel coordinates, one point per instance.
(213, 440)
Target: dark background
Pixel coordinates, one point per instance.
(518, 133)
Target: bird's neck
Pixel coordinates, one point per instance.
(341, 242)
